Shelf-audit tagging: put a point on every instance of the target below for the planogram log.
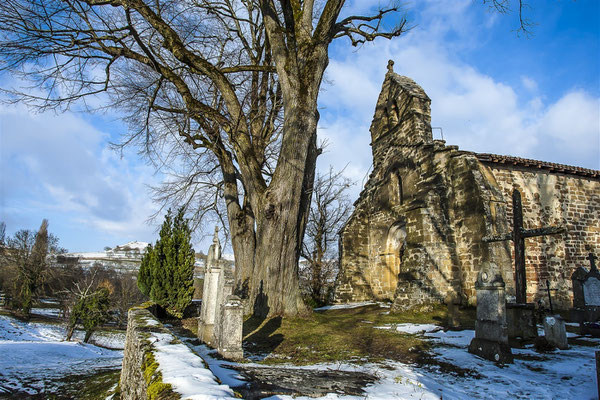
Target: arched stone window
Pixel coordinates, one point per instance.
(396, 188)
(392, 113)
(396, 242)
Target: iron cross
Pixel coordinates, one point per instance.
(592, 257)
(518, 236)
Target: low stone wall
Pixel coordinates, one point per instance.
(158, 365)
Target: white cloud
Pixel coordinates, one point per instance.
(476, 111)
(59, 165)
(529, 83)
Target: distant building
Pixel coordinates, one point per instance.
(124, 258)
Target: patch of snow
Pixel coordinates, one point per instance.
(568, 374)
(411, 328)
(47, 312)
(186, 372)
(345, 306)
(218, 367)
(452, 338)
(91, 255)
(141, 246)
(34, 356)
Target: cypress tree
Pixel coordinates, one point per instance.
(166, 272)
(182, 274)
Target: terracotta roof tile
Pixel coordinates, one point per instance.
(525, 162)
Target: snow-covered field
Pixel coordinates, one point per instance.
(34, 356)
(568, 374)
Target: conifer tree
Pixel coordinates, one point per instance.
(166, 273)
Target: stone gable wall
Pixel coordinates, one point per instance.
(416, 231)
(551, 198)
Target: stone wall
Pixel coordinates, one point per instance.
(140, 377)
(156, 365)
(549, 197)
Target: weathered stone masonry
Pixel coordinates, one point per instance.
(417, 228)
(156, 365)
(552, 194)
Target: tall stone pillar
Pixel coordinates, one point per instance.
(491, 335)
(212, 277)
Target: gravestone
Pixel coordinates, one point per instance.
(224, 289)
(586, 296)
(491, 335)
(591, 285)
(555, 332)
(230, 328)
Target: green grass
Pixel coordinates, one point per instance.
(341, 335)
(83, 387)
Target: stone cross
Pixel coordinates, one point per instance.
(518, 236)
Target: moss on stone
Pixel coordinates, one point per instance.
(157, 389)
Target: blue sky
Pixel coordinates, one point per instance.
(492, 91)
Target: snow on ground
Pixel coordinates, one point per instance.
(566, 374)
(345, 306)
(47, 312)
(186, 372)
(34, 356)
(411, 328)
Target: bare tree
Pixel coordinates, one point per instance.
(329, 210)
(220, 93)
(25, 265)
(89, 301)
(229, 85)
(2, 233)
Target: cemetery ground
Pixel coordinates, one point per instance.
(409, 355)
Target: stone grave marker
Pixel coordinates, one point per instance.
(491, 335)
(221, 317)
(230, 328)
(555, 332)
(591, 284)
(586, 296)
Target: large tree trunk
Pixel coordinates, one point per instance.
(282, 218)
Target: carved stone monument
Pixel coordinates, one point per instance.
(230, 328)
(591, 284)
(586, 294)
(491, 336)
(212, 276)
(221, 317)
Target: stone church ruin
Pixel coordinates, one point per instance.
(416, 235)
